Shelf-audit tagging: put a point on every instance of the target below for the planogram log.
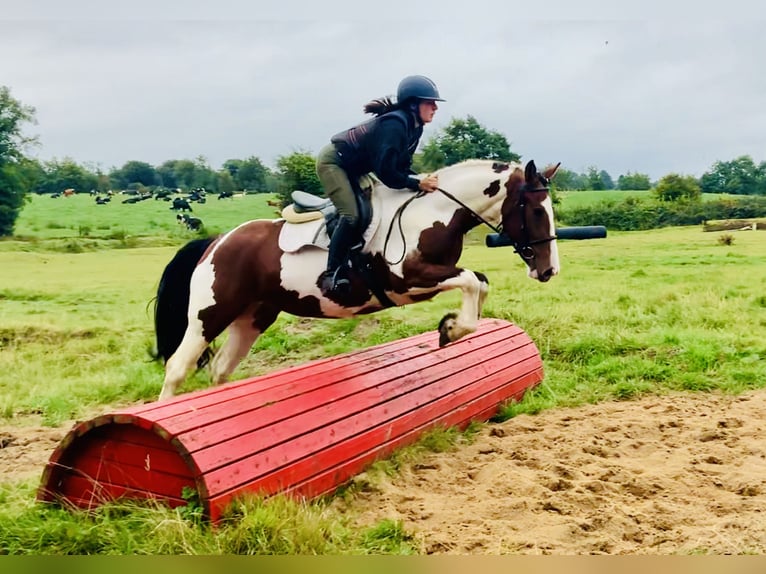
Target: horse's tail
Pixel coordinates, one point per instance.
(172, 301)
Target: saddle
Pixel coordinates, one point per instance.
(310, 220)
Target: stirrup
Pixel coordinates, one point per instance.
(336, 281)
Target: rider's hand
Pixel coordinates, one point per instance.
(429, 183)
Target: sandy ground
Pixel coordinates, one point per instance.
(681, 474)
(678, 474)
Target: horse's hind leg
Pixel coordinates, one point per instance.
(183, 361)
(242, 334)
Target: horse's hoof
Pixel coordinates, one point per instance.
(446, 325)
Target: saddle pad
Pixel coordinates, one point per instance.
(296, 235)
(289, 214)
(301, 229)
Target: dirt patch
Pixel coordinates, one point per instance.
(25, 450)
(661, 475)
(666, 475)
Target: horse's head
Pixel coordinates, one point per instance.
(527, 218)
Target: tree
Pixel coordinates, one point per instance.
(167, 174)
(634, 182)
(139, 172)
(251, 174)
(298, 171)
(224, 181)
(13, 115)
(462, 140)
(594, 179)
(569, 180)
(673, 187)
(59, 175)
(739, 176)
(606, 179)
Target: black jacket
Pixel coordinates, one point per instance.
(383, 146)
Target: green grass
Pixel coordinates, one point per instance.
(76, 224)
(637, 313)
(576, 199)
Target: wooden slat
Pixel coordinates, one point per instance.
(101, 472)
(409, 389)
(334, 472)
(422, 405)
(84, 493)
(343, 395)
(398, 350)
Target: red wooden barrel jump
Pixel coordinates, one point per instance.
(302, 431)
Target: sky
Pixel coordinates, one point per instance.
(622, 90)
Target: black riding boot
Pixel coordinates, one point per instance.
(335, 279)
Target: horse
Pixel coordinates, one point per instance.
(243, 279)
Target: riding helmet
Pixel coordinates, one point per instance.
(418, 87)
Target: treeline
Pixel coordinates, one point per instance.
(636, 214)
(236, 174)
(740, 176)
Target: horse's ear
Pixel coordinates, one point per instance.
(551, 170)
(530, 171)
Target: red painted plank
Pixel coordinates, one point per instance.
(99, 472)
(305, 416)
(453, 390)
(144, 456)
(345, 395)
(225, 394)
(83, 493)
(312, 368)
(335, 472)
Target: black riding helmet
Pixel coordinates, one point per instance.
(417, 87)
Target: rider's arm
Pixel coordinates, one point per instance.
(390, 158)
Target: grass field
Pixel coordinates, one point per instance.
(636, 313)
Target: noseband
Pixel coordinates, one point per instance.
(524, 247)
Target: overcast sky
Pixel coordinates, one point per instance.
(644, 94)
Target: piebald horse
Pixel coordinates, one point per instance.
(243, 279)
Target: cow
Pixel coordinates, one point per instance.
(180, 204)
(191, 223)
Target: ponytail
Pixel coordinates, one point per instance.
(380, 106)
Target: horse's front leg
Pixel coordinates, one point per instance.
(475, 287)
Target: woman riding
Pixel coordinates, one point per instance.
(383, 146)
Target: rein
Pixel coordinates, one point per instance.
(478, 217)
(524, 249)
(398, 217)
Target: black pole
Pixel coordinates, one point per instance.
(583, 232)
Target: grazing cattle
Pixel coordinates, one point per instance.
(103, 200)
(191, 223)
(180, 204)
(68, 192)
(225, 194)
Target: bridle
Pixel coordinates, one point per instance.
(523, 247)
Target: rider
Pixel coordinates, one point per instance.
(384, 146)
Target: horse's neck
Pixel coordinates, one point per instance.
(469, 183)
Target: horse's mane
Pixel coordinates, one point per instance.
(477, 163)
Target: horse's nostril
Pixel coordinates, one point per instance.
(547, 274)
